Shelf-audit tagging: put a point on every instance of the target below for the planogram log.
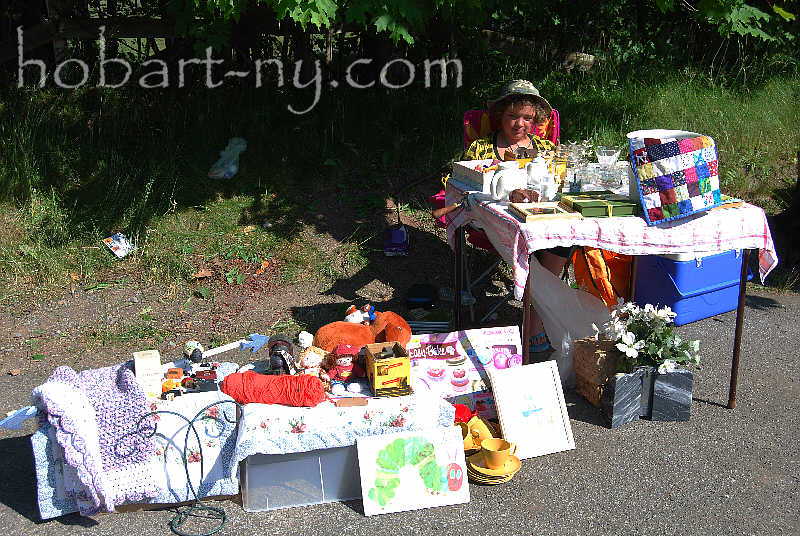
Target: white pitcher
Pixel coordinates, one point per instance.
(508, 177)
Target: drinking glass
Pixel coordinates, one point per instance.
(607, 156)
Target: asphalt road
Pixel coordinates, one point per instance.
(723, 472)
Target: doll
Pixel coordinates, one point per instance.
(342, 364)
(311, 363)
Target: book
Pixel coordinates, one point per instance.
(531, 409)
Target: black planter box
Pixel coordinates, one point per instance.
(646, 393)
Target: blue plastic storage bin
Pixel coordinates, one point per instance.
(695, 288)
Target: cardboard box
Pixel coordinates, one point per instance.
(388, 376)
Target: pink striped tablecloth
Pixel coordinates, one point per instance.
(704, 233)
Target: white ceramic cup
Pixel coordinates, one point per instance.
(548, 190)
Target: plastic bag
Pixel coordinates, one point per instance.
(228, 164)
(567, 314)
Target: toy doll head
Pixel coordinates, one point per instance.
(312, 357)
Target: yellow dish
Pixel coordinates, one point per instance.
(478, 465)
(482, 479)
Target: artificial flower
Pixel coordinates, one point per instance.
(667, 366)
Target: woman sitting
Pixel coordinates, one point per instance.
(517, 110)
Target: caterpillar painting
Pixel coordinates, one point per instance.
(418, 452)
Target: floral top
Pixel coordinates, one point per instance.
(483, 148)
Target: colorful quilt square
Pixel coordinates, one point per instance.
(691, 174)
(663, 166)
(706, 141)
(640, 156)
(686, 145)
(645, 171)
(713, 168)
(678, 178)
(657, 152)
(670, 210)
(651, 141)
(685, 160)
(698, 203)
(681, 193)
(693, 188)
(705, 185)
(655, 214)
(702, 171)
(708, 199)
(671, 149)
(651, 200)
(709, 154)
(717, 197)
(637, 144)
(664, 182)
(649, 186)
(685, 206)
(668, 197)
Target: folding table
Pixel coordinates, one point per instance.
(742, 228)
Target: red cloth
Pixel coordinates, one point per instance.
(251, 387)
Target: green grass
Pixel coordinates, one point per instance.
(76, 166)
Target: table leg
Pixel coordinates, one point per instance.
(459, 283)
(737, 337)
(526, 323)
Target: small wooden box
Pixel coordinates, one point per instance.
(548, 210)
(602, 204)
(390, 375)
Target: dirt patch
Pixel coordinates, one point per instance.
(102, 325)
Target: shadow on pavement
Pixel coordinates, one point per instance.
(710, 403)
(18, 483)
(760, 302)
(580, 410)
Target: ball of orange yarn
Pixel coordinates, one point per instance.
(251, 387)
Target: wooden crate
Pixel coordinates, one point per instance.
(595, 362)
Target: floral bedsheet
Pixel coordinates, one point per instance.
(215, 428)
(275, 429)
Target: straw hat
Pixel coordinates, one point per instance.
(521, 87)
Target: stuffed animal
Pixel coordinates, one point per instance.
(342, 365)
(389, 326)
(330, 335)
(311, 363)
(364, 315)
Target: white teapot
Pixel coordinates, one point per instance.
(537, 171)
(508, 177)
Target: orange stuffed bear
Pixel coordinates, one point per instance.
(388, 326)
(391, 326)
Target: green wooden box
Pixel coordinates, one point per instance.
(601, 204)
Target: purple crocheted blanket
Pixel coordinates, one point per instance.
(95, 413)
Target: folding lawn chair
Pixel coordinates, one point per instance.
(477, 124)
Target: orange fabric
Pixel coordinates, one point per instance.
(389, 326)
(340, 332)
(251, 387)
(593, 276)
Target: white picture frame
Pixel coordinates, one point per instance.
(531, 409)
(412, 470)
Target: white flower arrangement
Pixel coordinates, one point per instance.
(645, 336)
